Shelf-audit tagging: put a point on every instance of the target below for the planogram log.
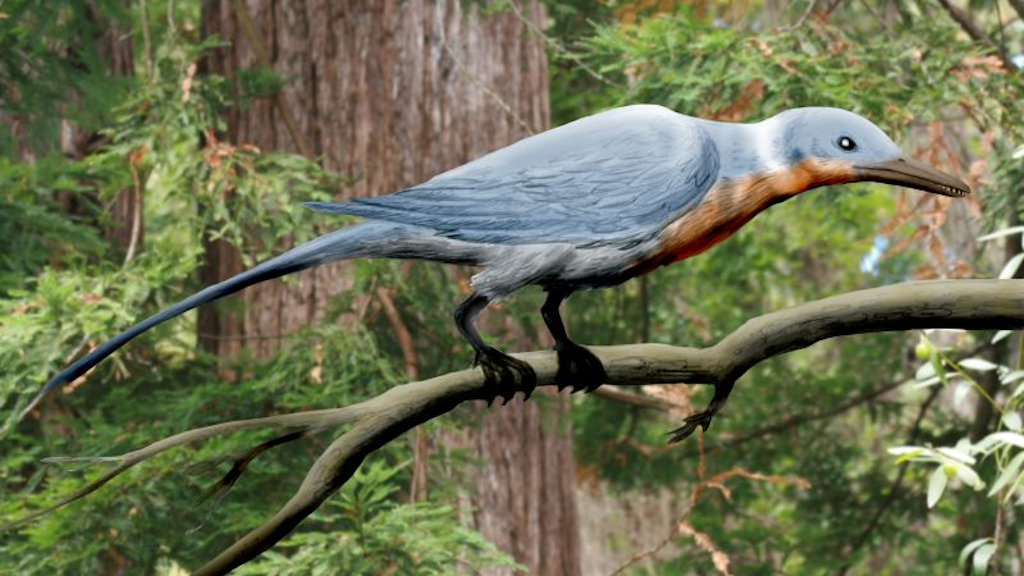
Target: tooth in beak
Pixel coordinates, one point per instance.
(912, 174)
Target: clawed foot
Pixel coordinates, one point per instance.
(703, 419)
(578, 368)
(505, 375)
(689, 426)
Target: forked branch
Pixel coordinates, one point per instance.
(967, 304)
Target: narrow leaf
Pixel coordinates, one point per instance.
(1012, 421)
(1012, 438)
(1011, 472)
(977, 364)
(960, 455)
(1001, 335)
(1011, 267)
(971, 547)
(1002, 233)
(982, 556)
(936, 486)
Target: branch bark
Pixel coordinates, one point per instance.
(971, 27)
(966, 304)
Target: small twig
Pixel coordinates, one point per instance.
(793, 421)
(402, 334)
(147, 46)
(617, 394)
(557, 47)
(136, 232)
(894, 489)
(998, 532)
(803, 17)
(418, 489)
(674, 531)
(974, 30)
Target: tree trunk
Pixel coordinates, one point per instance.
(114, 46)
(390, 93)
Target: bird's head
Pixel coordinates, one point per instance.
(840, 146)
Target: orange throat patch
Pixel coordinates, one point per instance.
(730, 204)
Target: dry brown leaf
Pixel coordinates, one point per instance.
(742, 106)
(91, 298)
(186, 83)
(317, 373)
(763, 46)
(136, 156)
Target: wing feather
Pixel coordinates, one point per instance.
(614, 178)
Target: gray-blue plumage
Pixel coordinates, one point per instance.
(612, 179)
(584, 205)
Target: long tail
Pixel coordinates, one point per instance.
(352, 242)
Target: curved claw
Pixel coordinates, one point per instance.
(505, 374)
(703, 419)
(690, 424)
(577, 365)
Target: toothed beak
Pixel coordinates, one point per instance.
(913, 174)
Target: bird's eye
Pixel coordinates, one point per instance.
(846, 143)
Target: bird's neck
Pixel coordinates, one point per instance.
(746, 149)
(757, 158)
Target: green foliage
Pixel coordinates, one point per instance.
(379, 535)
(51, 68)
(65, 288)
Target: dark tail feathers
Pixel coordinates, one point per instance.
(353, 242)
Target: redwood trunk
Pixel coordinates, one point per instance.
(390, 93)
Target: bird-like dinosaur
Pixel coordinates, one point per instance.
(589, 204)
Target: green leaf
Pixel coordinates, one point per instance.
(1000, 335)
(1008, 474)
(978, 364)
(936, 485)
(1011, 267)
(981, 557)
(971, 547)
(1001, 233)
(1012, 421)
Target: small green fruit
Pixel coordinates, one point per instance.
(923, 350)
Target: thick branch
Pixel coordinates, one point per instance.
(967, 304)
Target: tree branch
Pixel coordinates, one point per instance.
(966, 304)
(970, 26)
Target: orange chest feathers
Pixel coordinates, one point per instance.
(730, 204)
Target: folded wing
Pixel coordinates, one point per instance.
(615, 178)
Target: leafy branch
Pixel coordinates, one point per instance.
(966, 304)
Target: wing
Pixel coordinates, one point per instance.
(615, 178)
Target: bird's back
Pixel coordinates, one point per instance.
(614, 178)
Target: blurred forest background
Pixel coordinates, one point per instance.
(151, 147)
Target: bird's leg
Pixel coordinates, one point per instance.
(703, 419)
(502, 372)
(577, 366)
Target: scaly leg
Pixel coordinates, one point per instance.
(501, 371)
(577, 366)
